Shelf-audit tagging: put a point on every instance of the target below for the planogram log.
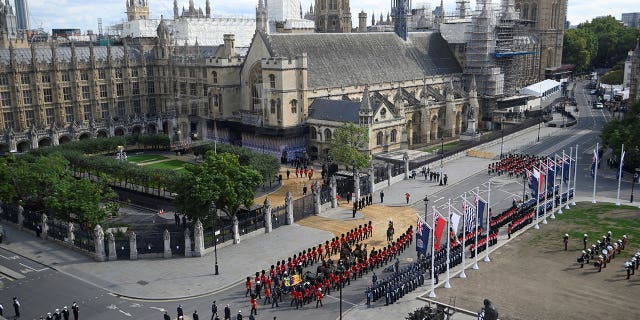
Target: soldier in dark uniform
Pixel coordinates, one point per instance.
(166, 316)
(180, 311)
(585, 238)
(227, 313)
(65, 313)
(76, 310)
(565, 239)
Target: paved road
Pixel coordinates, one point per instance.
(43, 289)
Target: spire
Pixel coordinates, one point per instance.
(399, 95)
(208, 9)
(424, 94)
(474, 87)
(175, 9)
(441, 11)
(373, 18)
(366, 101)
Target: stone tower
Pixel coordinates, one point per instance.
(399, 11)
(262, 19)
(137, 10)
(333, 16)
(362, 22)
(547, 17)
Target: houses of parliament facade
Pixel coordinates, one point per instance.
(267, 97)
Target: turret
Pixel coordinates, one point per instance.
(365, 113)
(229, 45)
(208, 9)
(262, 19)
(362, 21)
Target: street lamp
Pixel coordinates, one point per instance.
(441, 156)
(213, 210)
(633, 182)
(432, 294)
(502, 119)
(355, 199)
(539, 123)
(524, 184)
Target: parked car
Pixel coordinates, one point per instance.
(598, 105)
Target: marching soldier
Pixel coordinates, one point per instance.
(585, 238)
(565, 239)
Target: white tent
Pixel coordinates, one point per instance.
(542, 89)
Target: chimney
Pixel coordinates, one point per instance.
(229, 45)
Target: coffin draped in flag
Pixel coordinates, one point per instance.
(441, 223)
(422, 237)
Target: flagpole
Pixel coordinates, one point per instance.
(595, 172)
(486, 257)
(620, 174)
(553, 188)
(464, 233)
(475, 247)
(561, 179)
(446, 283)
(432, 294)
(566, 203)
(575, 178)
(536, 226)
(544, 184)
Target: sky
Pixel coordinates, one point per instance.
(84, 14)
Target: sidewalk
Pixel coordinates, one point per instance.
(189, 277)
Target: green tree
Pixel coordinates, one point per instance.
(36, 180)
(79, 200)
(613, 77)
(348, 145)
(7, 189)
(580, 46)
(626, 131)
(614, 40)
(220, 179)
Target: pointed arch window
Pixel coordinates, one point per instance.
(294, 106)
(214, 75)
(379, 138)
(327, 135)
(394, 133)
(313, 133)
(273, 106)
(272, 81)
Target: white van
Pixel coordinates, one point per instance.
(599, 105)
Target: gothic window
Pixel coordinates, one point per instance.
(214, 75)
(151, 87)
(134, 73)
(30, 115)
(383, 113)
(121, 109)
(273, 106)
(525, 11)
(87, 112)
(105, 110)
(66, 94)
(27, 97)
(152, 106)
(194, 108)
(379, 138)
(534, 12)
(327, 135)
(49, 115)
(119, 89)
(68, 114)
(192, 73)
(25, 79)
(314, 133)
(84, 76)
(394, 133)
(118, 73)
(272, 81)
(102, 74)
(294, 106)
(8, 119)
(103, 91)
(66, 76)
(136, 107)
(48, 95)
(279, 109)
(193, 90)
(183, 88)
(46, 78)
(136, 88)
(5, 98)
(4, 81)
(333, 4)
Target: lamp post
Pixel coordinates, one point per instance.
(354, 198)
(633, 182)
(502, 119)
(432, 294)
(539, 123)
(441, 157)
(213, 210)
(524, 186)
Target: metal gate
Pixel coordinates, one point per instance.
(278, 216)
(123, 250)
(303, 207)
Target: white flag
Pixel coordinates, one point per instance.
(455, 221)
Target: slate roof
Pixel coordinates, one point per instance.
(337, 110)
(337, 59)
(63, 54)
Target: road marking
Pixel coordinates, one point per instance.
(159, 309)
(112, 307)
(135, 305)
(125, 313)
(32, 269)
(10, 258)
(2, 276)
(345, 301)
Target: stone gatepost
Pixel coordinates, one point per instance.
(98, 240)
(288, 201)
(372, 180)
(356, 182)
(44, 226)
(317, 203)
(405, 158)
(389, 173)
(133, 246)
(334, 192)
(70, 236)
(112, 246)
(236, 230)
(187, 243)
(268, 224)
(198, 234)
(20, 216)
(167, 244)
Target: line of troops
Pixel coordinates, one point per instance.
(602, 251)
(400, 283)
(514, 164)
(305, 287)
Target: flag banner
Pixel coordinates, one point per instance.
(481, 205)
(551, 174)
(540, 179)
(422, 237)
(441, 223)
(455, 221)
(566, 166)
(533, 185)
(470, 218)
(594, 162)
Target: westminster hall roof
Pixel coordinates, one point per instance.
(337, 110)
(342, 59)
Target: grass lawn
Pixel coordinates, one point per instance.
(597, 219)
(447, 146)
(142, 158)
(171, 164)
